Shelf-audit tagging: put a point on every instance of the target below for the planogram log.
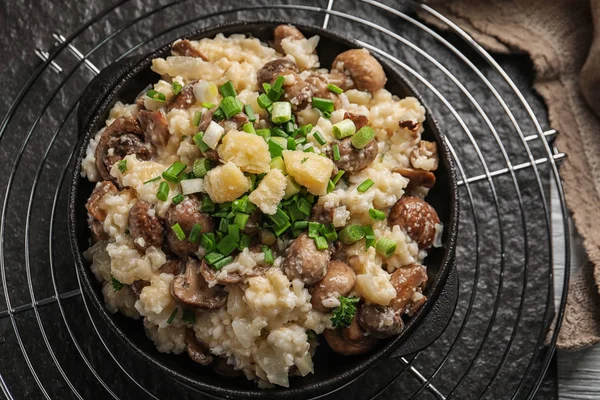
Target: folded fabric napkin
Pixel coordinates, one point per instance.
(562, 38)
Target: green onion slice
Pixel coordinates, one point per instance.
(227, 89)
(201, 167)
(282, 112)
(362, 138)
(207, 241)
(156, 95)
(172, 173)
(336, 152)
(163, 191)
(178, 232)
(178, 199)
(213, 257)
(194, 235)
(363, 187)
(369, 236)
(376, 215)
(314, 229)
(249, 112)
(227, 245)
(321, 243)
(200, 143)
(208, 104)
(152, 180)
(176, 86)
(385, 247)
(335, 89)
(248, 128)
(264, 101)
(338, 176)
(231, 106)
(197, 118)
(319, 138)
(351, 234)
(325, 105)
(268, 255)
(344, 129)
(221, 263)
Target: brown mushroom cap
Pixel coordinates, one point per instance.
(298, 92)
(358, 119)
(191, 289)
(338, 281)
(417, 177)
(184, 99)
(362, 67)
(186, 49)
(186, 214)
(352, 159)
(349, 341)
(304, 261)
(417, 218)
(285, 31)
(196, 350)
(379, 321)
(144, 226)
(155, 127)
(407, 281)
(93, 204)
(210, 274)
(121, 138)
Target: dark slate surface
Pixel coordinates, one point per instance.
(473, 345)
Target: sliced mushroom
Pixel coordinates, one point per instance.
(221, 367)
(352, 159)
(379, 321)
(338, 281)
(417, 218)
(318, 85)
(173, 267)
(191, 289)
(409, 282)
(285, 31)
(145, 228)
(196, 350)
(362, 67)
(98, 232)
(184, 99)
(123, 137)
(304, 261)
(206, 119)
(296, 90)
(322, 213)
(417, 177)
(186, 49)
(93, 204)
(186, 214)
(358, 119)
(349, 341)
(427, 150)
(237, 121)
(155, 127)
(210, 275)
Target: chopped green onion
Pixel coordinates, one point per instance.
(207, 204)
(200, 143)
(369, 236)
(201, 167)
(197, 118)
(152, 180)
(335, 89)
(278, 132)
(351, 234)
(330, 186)
(278, 83)
(276, 146)
(274, 94)
(291, 143)
(309, 150)
(172, 173)
(329, 232)
(277, 163)
(172, 316)
(227, 89)
(385, 247)
(157, 96)
(223, 224)
(266, 87)
(227, 245)
(212, 258)
(245, 241)
(189, 317)
(176, 86)
(264, 101)
(208, 104)
(282, 112)
(363, 137)
(225, 206)
(178, 199)
(116, 284)
(344, 129)
(248, 128)
(327, 114)
(338, 176)
(231, 106)
(240, 205)
(321, 243)
(304, 206)
(295, 213)
(322, 104)
(249, 112)
(194, 235)
(376, 215)
(305, 129)
(300, 225)
(178, 232)
(233, 232)
(218, 114)
(268, 255)
(163, 191)
(299, 141)
(264, 133)
(363, 187)
(207, 240)
(290, 127)
(313, 229)
(319, 138)
(241, 220)
(280, 218)
(280, 230)
(336, 152)
(122, 165)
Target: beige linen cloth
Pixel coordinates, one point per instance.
(562, 38)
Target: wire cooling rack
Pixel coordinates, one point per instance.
(53, 345)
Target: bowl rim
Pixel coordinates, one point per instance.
(329, 384)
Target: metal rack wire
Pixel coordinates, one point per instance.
(495, 346)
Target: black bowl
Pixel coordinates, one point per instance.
(123, 81)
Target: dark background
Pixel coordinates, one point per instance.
(503, 257)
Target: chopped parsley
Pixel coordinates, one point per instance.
(342, 316)
(122, 165)
(116, 285)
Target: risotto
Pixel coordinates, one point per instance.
(252, 199)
